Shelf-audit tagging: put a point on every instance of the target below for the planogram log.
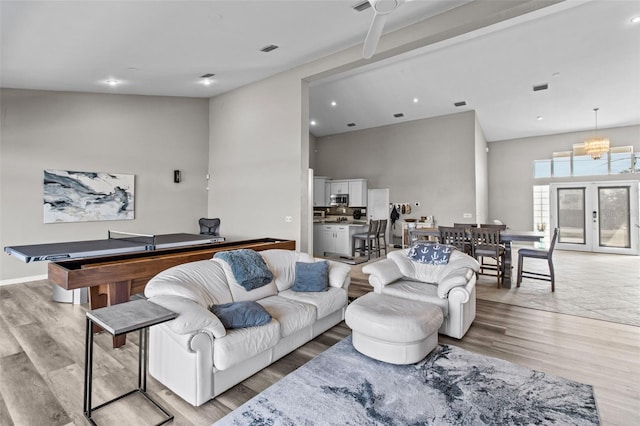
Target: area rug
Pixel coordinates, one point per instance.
(451, 386)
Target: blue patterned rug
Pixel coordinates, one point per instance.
(451, 386)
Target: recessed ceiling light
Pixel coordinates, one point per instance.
(334, 103)
(415, 100)
(459, 104)
(635, 19)
(351, 124)
(112, 82)
(269, 48)
(539, 117)
(207, 79)
(398, 115)
(313, 122)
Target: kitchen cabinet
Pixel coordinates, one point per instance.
(334, 239)
(339, 187)
(320, 196)
(357, 192)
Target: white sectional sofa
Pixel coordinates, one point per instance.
(197, 358)
(451, 287)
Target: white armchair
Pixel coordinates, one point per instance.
(450, 287)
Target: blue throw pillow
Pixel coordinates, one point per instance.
(241, 314)
(248, 267)
(311, 277)
(432, 254)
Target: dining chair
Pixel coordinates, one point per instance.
(465, 225)
(368, 241)
(485, 243)
(455, 236)
(538, 254)
(500, 227)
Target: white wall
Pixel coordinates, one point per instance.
(255, 160)
(481, 176)
(511, 170)
(429, 161)
(142, 135)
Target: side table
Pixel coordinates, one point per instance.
(117, 320)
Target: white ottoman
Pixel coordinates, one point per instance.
(393, 330)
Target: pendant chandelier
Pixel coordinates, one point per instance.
(596, 146)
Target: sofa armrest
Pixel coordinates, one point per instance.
(382, 273)
(455, 278)
(192, 317)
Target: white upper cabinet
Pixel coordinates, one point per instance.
(323, 187)
(320, 196)
(339, 187)
(357, 192)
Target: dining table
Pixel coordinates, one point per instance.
(507, 237)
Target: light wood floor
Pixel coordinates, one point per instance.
(42, 361)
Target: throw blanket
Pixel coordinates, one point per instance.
(248, 267)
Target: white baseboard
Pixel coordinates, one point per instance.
(23, 280)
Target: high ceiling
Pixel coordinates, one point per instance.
(163, 47)
(587, 52)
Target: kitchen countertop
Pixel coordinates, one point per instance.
(335, 222)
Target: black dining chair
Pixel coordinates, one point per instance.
(538, 254)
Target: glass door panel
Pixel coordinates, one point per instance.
(614, 225)
(571, 216)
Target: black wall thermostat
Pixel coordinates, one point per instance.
(177, 176)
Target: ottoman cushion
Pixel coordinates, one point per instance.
(392, 329)
(393, 319)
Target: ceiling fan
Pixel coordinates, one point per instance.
(381, 9)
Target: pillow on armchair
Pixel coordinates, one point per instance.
(431, 253)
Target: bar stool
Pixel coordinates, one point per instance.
(368, 240)
(382, 234)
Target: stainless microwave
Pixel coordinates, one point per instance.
(339, 200)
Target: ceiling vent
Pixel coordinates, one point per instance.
(459, 104)
(269, 48)
(540, 87)
(351, 124)
(362, 6)
(209, 75)
(398, 115)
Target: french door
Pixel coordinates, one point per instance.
(596, 216)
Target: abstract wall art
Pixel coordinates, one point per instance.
(71, 196)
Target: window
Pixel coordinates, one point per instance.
(618, 160)
(561, 164)
(541, 210)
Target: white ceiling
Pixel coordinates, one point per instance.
(162, 47)
(587, 52)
